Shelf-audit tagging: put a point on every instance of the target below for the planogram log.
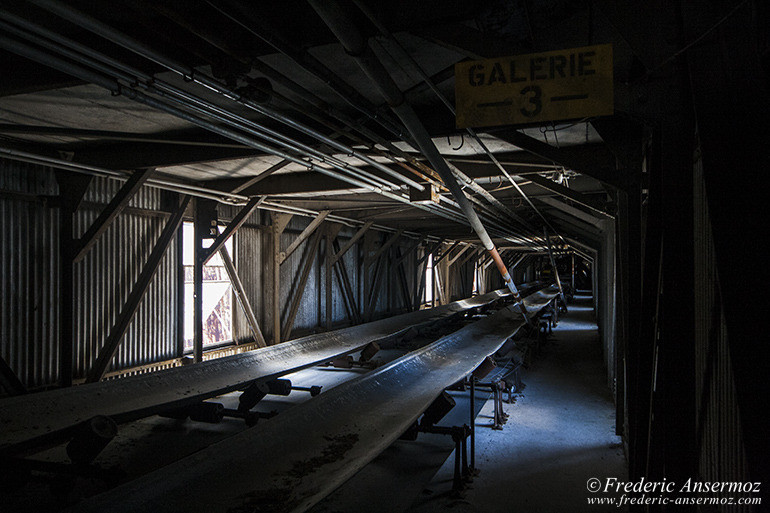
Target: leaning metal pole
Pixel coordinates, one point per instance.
(357, 47)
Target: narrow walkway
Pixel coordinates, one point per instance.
(560, 433)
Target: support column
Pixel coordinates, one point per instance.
(198, 258)
(72, 188)
(279, 223)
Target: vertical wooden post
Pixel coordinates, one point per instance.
(331, 233)
(328, 277)
(279, 223)
(276, 281)
(72, 188)
(66, 291)
(201, 228)
(180, 293)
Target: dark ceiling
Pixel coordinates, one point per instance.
(282, 55)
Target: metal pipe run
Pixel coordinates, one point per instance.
(385, 32)
(158, 183)
(192, 190)
(356, 46)
(111, 34)
(130, 92)
(190, 101)
(113, 68)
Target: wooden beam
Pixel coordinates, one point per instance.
(569, 209)
(458, 255)
(261, 176)
(371, 303)
(388, 243)
(419, 289)
(408, 251)
(243, 299)
(344, 279)
(309, 229)
(473, 254)
(439, 288)
(349, 244)
(313, 246)
(429, 251)
(331, 233)
(403, 284)
(107, 353)
(279, 223)
(232, 227)
(446, 253)
(118, 203)
(72, 188)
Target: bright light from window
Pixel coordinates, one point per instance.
(429, 280)
(217, 294)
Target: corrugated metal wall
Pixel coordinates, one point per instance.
(106, 276)
(254, 261)
(722, 454)
(248, 258)
(606, 298)
(29, 268)
(29, 272)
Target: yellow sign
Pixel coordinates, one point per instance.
(550, 86)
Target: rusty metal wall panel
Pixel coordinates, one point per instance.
(722, 453)
(105, 277)
(29, 270)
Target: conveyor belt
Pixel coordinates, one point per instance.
(292, 461)
(33, 419)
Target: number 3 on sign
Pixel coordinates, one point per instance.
(535, 104)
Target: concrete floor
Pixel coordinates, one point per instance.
(559, 434)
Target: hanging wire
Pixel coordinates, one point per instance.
(462, 142)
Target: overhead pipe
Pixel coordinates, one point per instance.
(411, 163)
(385, 32)
(323, 74)
(157, 86)
(130, 75)
(192, 190)
(310, 64)
(356, 46)
(131, 93)
(97, 27)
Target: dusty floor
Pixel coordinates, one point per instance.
(560, 433)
